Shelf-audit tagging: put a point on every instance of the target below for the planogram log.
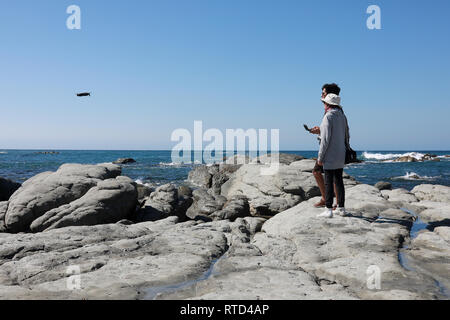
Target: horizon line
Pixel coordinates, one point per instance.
(285, 150)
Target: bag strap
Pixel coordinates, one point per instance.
(347, 131)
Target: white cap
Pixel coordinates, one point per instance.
(332, 99)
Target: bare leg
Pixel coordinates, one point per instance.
(321, 183)
(336, 194)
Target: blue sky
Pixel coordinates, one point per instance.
(155, 66)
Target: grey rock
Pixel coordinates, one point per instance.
(204, 204)
(236, 207)
(164, 202)
(7, 188)
(184, 191)
(432, 192)
(109, 201)
(341, 250)
(399, 195)
(283, 158)
(306, 165)
(200, 176)
(270, 194)
(433, 212)
(143, 191)
(238, 159)
(294, 256)
(3, 208)
(383, 185)
(124, 161)
(430, 254)
(50, 190)
(115, 261)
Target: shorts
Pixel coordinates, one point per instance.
(318, 168)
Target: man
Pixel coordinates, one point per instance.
(333, 137)
(318, 169)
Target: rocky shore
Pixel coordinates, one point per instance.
(87, 232)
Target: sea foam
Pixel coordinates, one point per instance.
(414, 176)
(390, 156)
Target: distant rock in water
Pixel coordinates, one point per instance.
(417, 157)
(406, 159)
(124, 161)
(7, 188)
(46, 152)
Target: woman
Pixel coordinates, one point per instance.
(333, 135)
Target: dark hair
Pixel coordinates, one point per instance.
(332, 88)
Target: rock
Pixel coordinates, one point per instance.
(50, 190)
(432, 192)
(46, 152)
(430, 157)
(430, 254)
(256, 267)
(7, 188)
(205, 203)
(109, 201)
(382, 185)
(184, 191)
(366, 201)
(200, 176)
(114, 261)
(434, 213)
(293, 256)
(405, 159)
(143, 191)
(341, 250)
(236, 207)
(3, 208)
(270, 194)
(283, 158)
(164, 202)
(399, 195)
(223, 175)
(237, 159)
(124, 161)
(306, 165)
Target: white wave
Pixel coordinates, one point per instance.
(174, 164)
(139, 181)
(3, 152)
(169, 164)
(414, 176)
(390, 156)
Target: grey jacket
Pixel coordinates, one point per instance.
(334, 134)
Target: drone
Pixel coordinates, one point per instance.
(84, 94)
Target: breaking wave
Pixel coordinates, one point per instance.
(390, 156)
(414, 176)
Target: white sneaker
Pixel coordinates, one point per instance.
(326, 214)
(340, 211)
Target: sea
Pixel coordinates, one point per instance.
(156, 167)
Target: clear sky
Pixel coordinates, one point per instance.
(157, 65)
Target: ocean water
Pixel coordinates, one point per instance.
(156, 167)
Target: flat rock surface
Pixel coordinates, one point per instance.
(114, 261)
